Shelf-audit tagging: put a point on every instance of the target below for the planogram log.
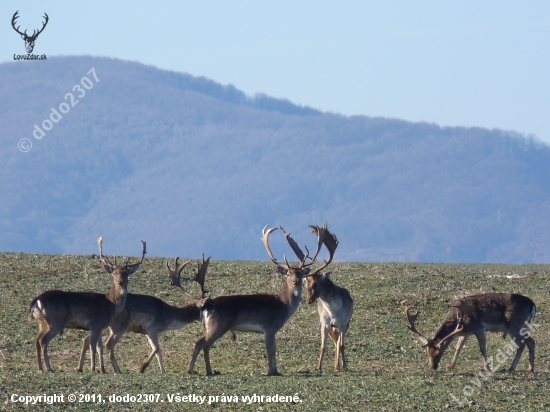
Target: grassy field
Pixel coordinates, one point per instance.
(388, 367)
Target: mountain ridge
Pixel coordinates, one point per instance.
(192, 166)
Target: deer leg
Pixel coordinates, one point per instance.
(342, 350)
(100, 354)
(271, 354)
(85, 343)
(42, 330)
(38, 353)
(520, 344)
(459, 345)
(336, 338)
(204, 344)
(95, 335)
(482, 340)
(196, 350)
(530, 342)
(43, 342)
(206, 353)
(324, 334)
(154, 343)
(110, 346)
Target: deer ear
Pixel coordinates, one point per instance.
(132, 269)
(306, 271)
(327, 275)
(282, 270)
(109, 269)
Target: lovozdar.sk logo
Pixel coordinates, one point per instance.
(29, 40)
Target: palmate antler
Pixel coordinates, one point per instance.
(323, 237)
(199, 276)
(411, 319)
(330, 241)
(202, 267)
(175, 276)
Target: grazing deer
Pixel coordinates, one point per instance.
(260, 313)
(56, 310)
(474, 315)
(334, 304)
(151, 316)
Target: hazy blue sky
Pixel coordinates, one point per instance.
(467, 63)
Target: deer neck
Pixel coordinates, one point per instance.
(444, 330)
(329, 292)
(186, 314)
(291, 295)
(117, 296)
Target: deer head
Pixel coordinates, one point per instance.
(434, 347)
(29, 40)
(317, 281)
(120, 273)
(293, 275)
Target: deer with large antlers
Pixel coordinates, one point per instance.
(151, 316)
(334, 304)
(29, 40)
(260, 313)
(474, 315)
(56, 310)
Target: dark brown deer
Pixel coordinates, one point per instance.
(151, 316)
(56, 310)
(260, 313)
(475, 315)
(334, 304)
(29, 40)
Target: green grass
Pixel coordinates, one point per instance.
(388, 367)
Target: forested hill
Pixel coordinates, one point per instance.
(192, 166)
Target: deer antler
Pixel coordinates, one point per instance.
(330, 241)
(459, 327)
(201, 274)
(265, 238)
(412, 328)
(175, 276)
(297, 251)
(105, 259)
(143, 252)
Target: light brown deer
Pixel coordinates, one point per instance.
(474, 315)
(56, 310)
(151, 316)
(334, 304)
(260, 313)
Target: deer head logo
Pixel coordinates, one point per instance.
(29, 40)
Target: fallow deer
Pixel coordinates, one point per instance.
(56, 310)
(474, 315)
(151, 316)
(260, 313)
(334, 304)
